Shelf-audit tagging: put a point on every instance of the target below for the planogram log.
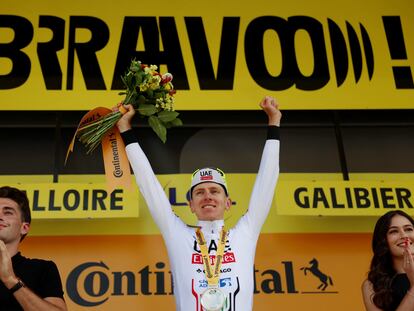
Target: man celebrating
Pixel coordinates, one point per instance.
(25, 284)
(212, 267)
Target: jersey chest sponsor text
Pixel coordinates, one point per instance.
(227, 258)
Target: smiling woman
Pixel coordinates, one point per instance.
(391, 277)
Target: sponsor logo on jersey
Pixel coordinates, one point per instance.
(227, 258)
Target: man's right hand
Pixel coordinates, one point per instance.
(124, 124)
(271, 107)
(7, 275)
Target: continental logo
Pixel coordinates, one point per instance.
(349, 46)
(341, 197)
(117, 171)
(93, 283)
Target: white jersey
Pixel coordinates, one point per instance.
(236, 278)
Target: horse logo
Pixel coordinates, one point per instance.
(313, 268)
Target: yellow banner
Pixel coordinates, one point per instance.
(292, 271)
(310, 55)
(71, 201)
(342, 198)
(280, 218)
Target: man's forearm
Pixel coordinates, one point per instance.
(32, 302)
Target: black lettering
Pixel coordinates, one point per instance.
(130, 279)
(255, 291)
(115, 199)
(72, 288)
(35, 203)
(386, 198)
(339, 52)
(85, 200)
(403, 196)
(172, 194)
(335, 203)
(290, 278)
(319, 196)
(356, 52)
(396, 44)
(66, 200)
(171, 56)
(375, 197)
(320, 75)
(304, 202)
(195, 247)
(101, 283)
(47, 51)
(290, 73)
(98, 197)
(273, 284)
(145, 272)
(172, 283)
(23, 35)
(52, 206)
(160, 280)
(255, 56)
(86, 51)
(212, 247)
(361, 198)
(201, 53)
(349, 197)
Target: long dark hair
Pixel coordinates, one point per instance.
(382, 271)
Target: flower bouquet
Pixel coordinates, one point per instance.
(152, 96)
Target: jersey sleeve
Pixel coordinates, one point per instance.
(149, 186)
(264, 186)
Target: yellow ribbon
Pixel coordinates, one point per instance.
(212, 271)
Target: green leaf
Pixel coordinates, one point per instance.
(141, 100)
(158, 128)
(147, 110)
(150, 93)
(176, 122)
(123, 78)
(167, 116)
(134, 67)
(139, 77)
(173, 123)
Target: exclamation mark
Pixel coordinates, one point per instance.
(395, 37)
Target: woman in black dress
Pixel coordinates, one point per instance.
(390, 282)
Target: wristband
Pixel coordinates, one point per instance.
(128, 137)
(17, 286)
(273, 132)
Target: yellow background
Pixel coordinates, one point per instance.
(286, 205)
(380, 92)
(50, 198)
(240, 186)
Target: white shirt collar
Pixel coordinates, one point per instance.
(211, 227)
